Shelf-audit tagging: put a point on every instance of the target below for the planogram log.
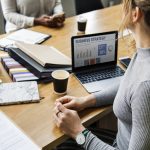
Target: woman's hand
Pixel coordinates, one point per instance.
(75, 103)
(71, 102)
(67, 120)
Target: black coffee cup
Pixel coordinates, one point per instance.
(82, 21)
(60, 81)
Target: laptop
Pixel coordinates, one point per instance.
(94, 60)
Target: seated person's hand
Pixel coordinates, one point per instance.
(67, 120)
(50, 21)
(43, 20)
(57, 20)
(71, 102)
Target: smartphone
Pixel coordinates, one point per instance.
(125, 61)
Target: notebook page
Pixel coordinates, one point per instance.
(4, 42)
(12, 138)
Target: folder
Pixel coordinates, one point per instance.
(47, 56)
(33, 66)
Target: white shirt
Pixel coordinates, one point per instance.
(21, 13)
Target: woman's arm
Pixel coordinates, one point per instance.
(94, 143)
(106, 96)
(140, 135)
(140, 105)
(69, 122)
(102, 98)
(9, 8)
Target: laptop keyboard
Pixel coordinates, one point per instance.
(97, 75)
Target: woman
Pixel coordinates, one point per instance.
(27, 13)
(131, 101)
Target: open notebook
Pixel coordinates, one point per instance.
(23, 35)
(19, 92)
(47, 56)
(28, 36)
(12, 138)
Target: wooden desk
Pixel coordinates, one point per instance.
(36, 119)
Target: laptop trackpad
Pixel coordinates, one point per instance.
(100, 85)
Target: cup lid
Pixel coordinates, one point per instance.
(82, 19)
(60, 74)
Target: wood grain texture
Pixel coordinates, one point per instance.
(36, 119)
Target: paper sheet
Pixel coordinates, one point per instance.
(4, 42)
(12, 138)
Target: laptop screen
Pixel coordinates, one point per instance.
(94, 50)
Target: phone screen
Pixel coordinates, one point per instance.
(125, 61)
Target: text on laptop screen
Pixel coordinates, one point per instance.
(93, 50)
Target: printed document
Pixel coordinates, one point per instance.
(12, 138)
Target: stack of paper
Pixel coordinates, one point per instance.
(12, 138)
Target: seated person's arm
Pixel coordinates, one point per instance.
(106, 96)
(56, 20)
(58, 14)
(71, 124)
(102, 98)
(140, 133)
(9, 8)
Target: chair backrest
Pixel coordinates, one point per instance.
(83, 6)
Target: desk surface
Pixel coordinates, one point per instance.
(36, 119)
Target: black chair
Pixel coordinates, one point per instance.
(83, 6)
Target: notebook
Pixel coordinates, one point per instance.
(94, 60)
(23, 35)
(28, 36)
(12, 138)
(47, 56)
(19, 92)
